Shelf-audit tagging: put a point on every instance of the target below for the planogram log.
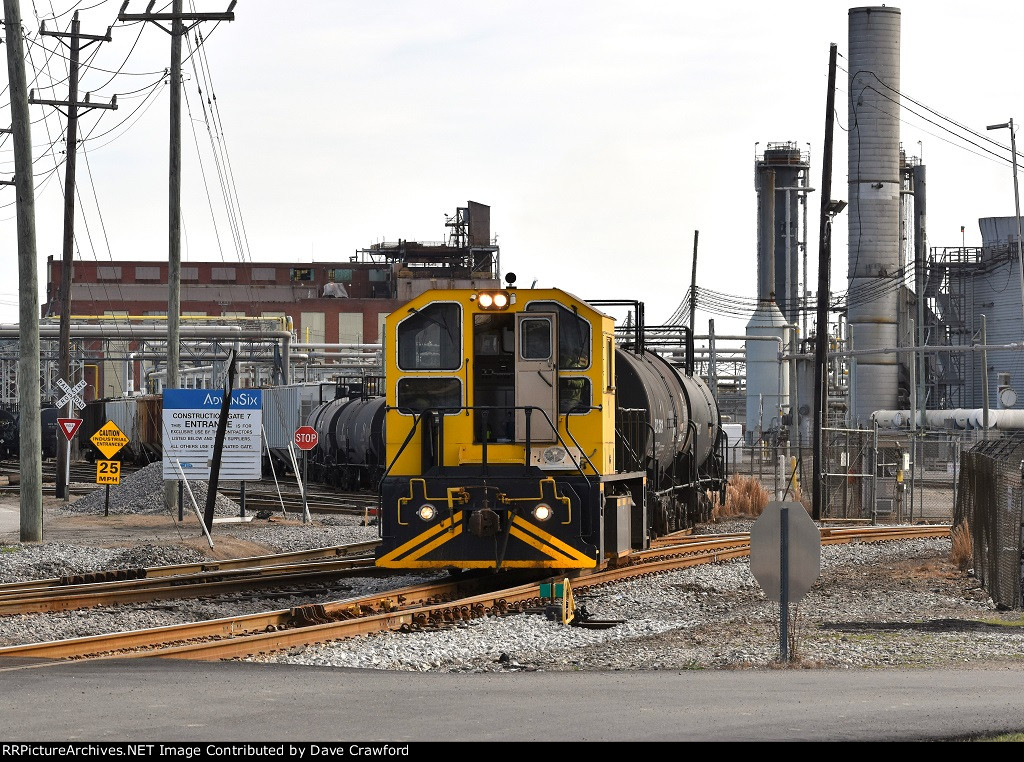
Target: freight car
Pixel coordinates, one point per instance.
(520, 433)
(140, 419)
(349, 453)
(10, 434)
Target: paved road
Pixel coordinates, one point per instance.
(162, 700)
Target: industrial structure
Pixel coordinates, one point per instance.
(283, 320)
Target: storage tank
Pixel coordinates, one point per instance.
(995, 287)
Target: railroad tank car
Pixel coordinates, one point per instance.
(9, 434)
(51, 436)
(285, 408)
(349, 452)
(522, 434)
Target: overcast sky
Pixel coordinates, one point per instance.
(601, 134)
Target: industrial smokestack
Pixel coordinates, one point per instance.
(873, 214)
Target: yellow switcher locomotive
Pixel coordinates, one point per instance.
(521, 434)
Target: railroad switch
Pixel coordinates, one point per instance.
(560, 605)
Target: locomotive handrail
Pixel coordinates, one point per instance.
(449, 410)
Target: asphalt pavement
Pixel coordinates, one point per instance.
(169, 700)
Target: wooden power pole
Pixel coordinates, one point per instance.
(824, 264)
(29, 431)
(178, 28)
(73, 40)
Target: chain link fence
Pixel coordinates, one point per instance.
(989, 501)
(869, 475)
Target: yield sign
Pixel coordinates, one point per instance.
(69, 426)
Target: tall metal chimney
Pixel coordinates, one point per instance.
(873, 214)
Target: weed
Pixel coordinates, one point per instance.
(744, 496)
(962, 553)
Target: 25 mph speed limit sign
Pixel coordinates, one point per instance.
(108, 472)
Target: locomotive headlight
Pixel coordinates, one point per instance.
(426, 512)
(493, 300)
(542, 512)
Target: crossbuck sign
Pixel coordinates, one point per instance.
(71, 394)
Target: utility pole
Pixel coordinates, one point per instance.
(693, 284)
(824, 263)
(74, 44)
(29, 431)
(177, 29)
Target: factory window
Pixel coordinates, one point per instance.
(223, 273)
(264, 273)
(147, 273)
(190, 274)
(340, 274)
(301, 274)
(108, 273)
(377, 275)
(418, 394)
(573, 335)
(431, 338)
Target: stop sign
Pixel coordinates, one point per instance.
(305, 437)
(803, 551)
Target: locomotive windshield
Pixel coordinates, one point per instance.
(431, 338)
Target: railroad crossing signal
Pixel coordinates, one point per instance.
(306, 437)
(69, 426)
(72, 395)
(109, 439)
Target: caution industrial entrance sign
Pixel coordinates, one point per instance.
(109, 439)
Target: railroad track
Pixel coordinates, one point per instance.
(419, 607)
(120, 586)
(284, 496)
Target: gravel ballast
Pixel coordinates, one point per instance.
(878, 605)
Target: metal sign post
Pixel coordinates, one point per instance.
(305, 439)
(785, 558)
(71, 394)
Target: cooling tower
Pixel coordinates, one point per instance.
(873, 214)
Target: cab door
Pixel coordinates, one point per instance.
(536, 379)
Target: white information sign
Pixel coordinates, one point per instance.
(190, 418)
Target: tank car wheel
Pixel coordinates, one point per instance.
(659, 521)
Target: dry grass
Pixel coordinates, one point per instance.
(963, 547)
(744, 496)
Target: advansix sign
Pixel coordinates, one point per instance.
(190, 421)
